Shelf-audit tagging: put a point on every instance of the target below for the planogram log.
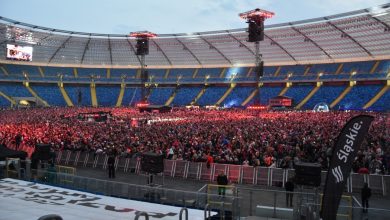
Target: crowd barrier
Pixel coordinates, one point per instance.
(239, 174)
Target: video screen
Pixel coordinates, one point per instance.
(15, 52)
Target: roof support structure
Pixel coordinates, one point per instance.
(85, 49)
(383, 23)
(188, 49)
(281, 47)
(240, 42)
(109, 48)
(159, 48)
(59, 48)
(132, 47)
(311, 40)
(349, 36)
(212, 46)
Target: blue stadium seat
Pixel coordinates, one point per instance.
(327, 68)
(50, 93)
(298, 92)
(237, 96)
(383, 67)
(185, 95)
(359, 67)
(383, 103)
(67, 72)
(73, 93)
(185, 73)
(157, 73)
(19, 69)
(211, 96)
(107, 95)
(4, 102)
(267, 92)
(213, 72)
(117, 73)
(326, 93)
(132, 96)
(160, 95)
(295, 69)
(358, 97)
(87, 72)
(15, 90)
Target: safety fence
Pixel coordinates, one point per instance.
(236, 173)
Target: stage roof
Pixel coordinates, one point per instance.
(352, 36)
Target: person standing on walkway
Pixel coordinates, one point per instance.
(222, 181)
(366, 194)
(289, 186)
(111, 166)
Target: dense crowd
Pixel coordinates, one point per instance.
(272, 139)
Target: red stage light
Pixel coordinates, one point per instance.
(143, 34)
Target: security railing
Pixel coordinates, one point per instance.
(236, 173)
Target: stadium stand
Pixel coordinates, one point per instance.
(358, 96)
(159, 95)
(50, 93)
(326, 94)
(74, 92)
(107, 95)
(237, 96)
(15, 90)
(185, 95)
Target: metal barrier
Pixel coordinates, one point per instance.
(185, 210)
(142, 214)
(236, 173)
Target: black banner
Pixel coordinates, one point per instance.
(348, 143)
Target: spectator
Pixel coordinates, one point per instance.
(289, 186)
(222, 180)
(366, 194)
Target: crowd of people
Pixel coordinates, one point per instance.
(272, 139)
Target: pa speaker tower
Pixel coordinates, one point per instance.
(142, 46)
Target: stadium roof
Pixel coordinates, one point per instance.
(352, 36)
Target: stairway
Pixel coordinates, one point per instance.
(284, 90)
(41, 71)
(199, 95)
(4, 70)
(303, 102)
(341, 96)
(33, 93)
(225, 95)
(376, 97)
(374, 67)
(121, 94)
(250, 97)
(172, 97)
(65, 95)
(93, 95)
(13, 102)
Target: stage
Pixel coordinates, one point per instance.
(27, 200)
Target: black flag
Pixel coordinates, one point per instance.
(348, 143)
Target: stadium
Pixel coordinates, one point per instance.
(170, 115)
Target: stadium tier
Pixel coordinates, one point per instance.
(184, 85)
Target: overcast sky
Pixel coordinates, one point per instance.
(166, 16)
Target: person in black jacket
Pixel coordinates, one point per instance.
(289, 186)
(222, 180)
(111, 166)
(366, 194)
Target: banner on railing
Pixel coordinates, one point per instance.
(348, 143)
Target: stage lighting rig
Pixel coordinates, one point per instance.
(142, 49)
(255, 19)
